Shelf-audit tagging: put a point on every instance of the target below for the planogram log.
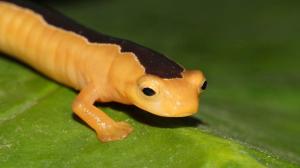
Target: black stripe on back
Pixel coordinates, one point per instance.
(153, 62)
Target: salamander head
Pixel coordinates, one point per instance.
(155, 83)
(177, 97)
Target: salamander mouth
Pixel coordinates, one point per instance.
(172, 114)
(179, 115)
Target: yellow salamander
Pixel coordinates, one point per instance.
(101, 67)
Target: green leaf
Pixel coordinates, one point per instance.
(249, 115)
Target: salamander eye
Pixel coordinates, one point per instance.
(204, 86)
(148, 91)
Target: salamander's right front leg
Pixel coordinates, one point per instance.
(106, 128)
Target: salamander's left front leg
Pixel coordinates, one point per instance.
(106, 128)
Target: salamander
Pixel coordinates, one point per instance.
(102, 68)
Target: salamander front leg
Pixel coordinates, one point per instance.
(106, 128)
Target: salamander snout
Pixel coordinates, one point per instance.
(196, 79)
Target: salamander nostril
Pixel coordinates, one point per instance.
(204, 86)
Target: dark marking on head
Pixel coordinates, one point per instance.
(153, 62)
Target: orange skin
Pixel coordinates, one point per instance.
(107, 75)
